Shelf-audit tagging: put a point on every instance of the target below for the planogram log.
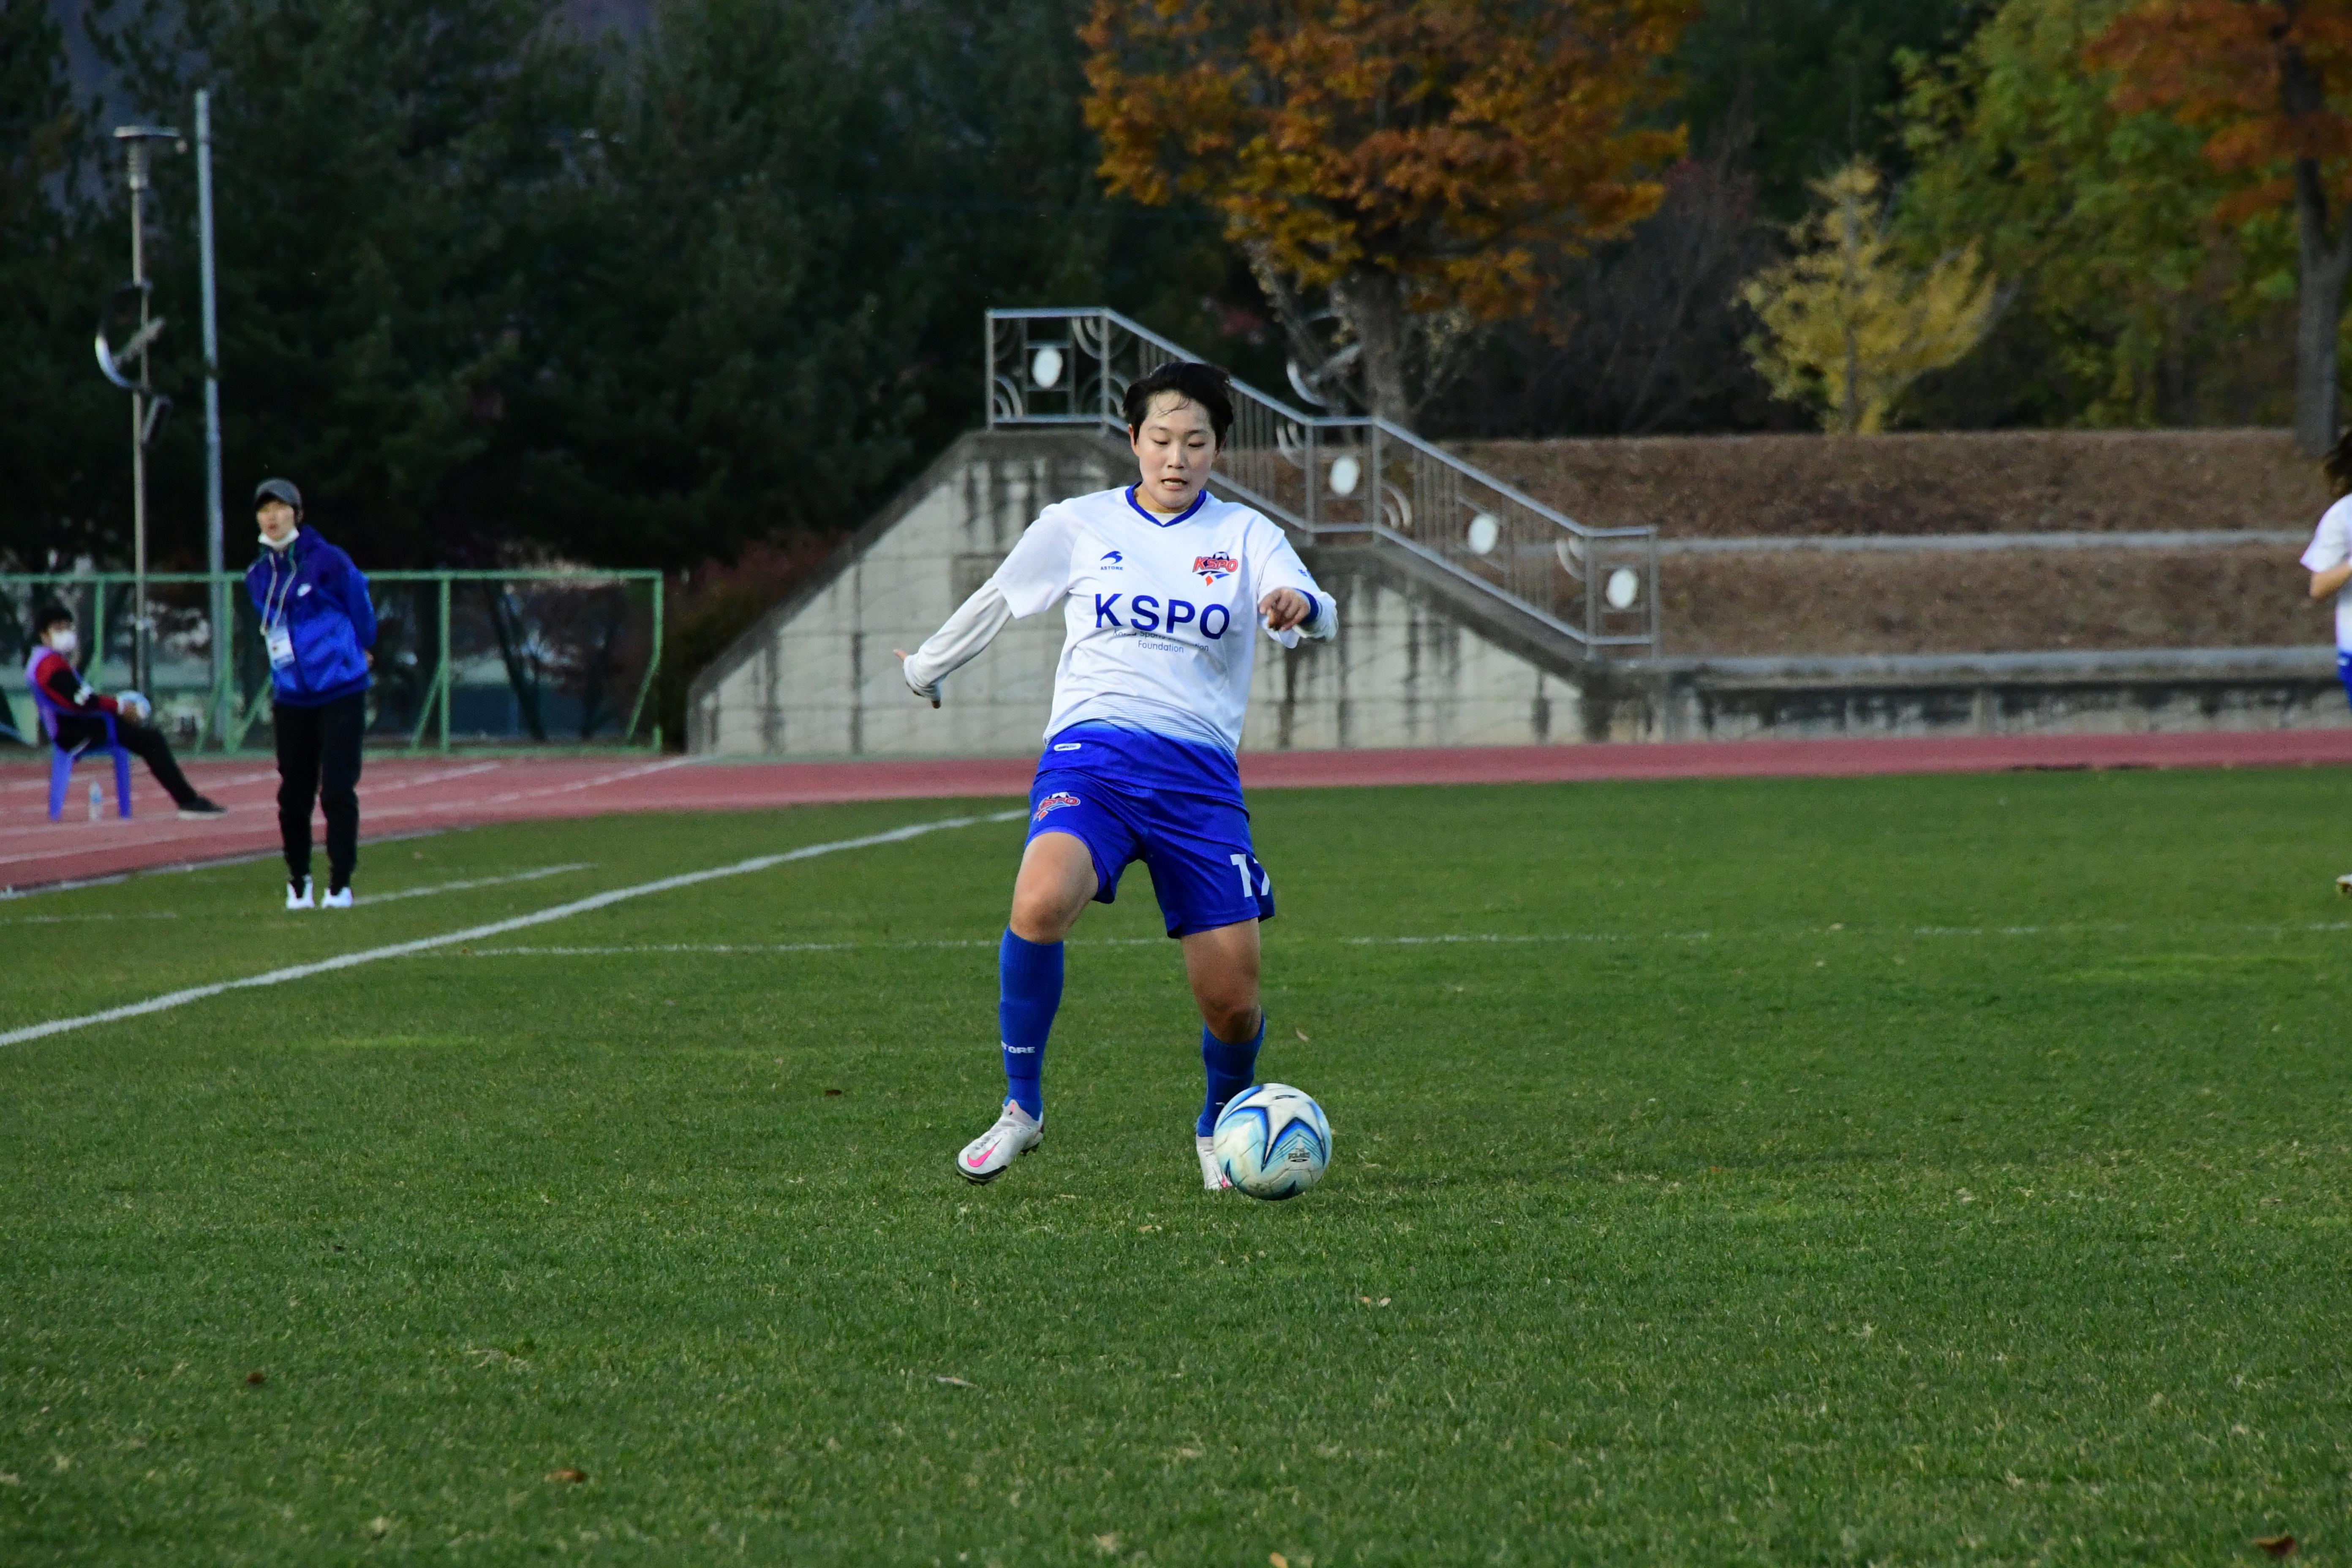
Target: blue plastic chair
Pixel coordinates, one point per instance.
(62, 759)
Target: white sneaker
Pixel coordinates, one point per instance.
(2344, 885)
(1212, 1177)
(1015, 1133)
(342, 900)
(297, 895)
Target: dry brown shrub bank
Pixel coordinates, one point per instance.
(2029, 481)
(1976, 603)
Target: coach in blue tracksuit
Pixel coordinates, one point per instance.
(320, 626)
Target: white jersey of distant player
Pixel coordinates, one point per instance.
(2331, 546)
(1162, 616)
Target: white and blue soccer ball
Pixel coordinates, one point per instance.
(1272, 1142)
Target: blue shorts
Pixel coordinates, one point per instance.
(1176, 805)
(2344, 672)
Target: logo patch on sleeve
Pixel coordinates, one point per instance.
(1209, 568)
(1112, 561)
(1054, 801)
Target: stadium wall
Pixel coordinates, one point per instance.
(1982, 608)
(817, 677)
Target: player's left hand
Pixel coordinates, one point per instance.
(1284, 608)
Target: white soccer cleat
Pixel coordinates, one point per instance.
(1015, 1133)
(2344, 885)
(1213, 1177)
(342, 900)
(297, 895)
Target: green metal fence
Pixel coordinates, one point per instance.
(528, 658)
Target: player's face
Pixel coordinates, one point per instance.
(1175, 446)
(276, 519)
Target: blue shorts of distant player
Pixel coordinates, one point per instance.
(1176, 805)
(2344, 670)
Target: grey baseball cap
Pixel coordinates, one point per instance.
(278, 489)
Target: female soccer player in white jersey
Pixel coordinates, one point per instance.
(1159, 584)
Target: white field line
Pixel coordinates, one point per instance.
(181, 867)
(1443, 939)
(738, 947)
(78, 920)
(12, 892)
(496, 927)
(531, 875)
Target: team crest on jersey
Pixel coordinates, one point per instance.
(1209, 568)
(1054, 801)
(1113, 560)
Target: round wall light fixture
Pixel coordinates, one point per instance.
(1623, 587)
(1045, 367)
(1486, 531)
(1345, 474)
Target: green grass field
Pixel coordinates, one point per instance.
(1897, 1170)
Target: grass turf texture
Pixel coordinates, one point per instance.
(1892, 1171)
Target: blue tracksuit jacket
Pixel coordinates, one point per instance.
(324, 601)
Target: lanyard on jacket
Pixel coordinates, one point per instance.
(273, 602)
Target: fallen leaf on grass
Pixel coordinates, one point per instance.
(1278, 1559)
(952, 1382)
(255, 1379)
(1301, 1033)
(1106, 1544)
(2277, 1545)
(567, 1477)
(379, 1526)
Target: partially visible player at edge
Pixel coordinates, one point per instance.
(2328, 559)
(1159, 584)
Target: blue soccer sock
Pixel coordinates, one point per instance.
(1230, 1067)
(1029, 976)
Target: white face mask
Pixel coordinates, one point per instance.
(64, 641)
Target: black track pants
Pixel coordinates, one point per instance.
(318, 762)
(142, 740)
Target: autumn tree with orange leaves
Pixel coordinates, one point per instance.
(2270, 84)
(1414, 159)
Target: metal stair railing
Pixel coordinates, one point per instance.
(1338, 479)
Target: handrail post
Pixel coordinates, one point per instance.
(987, 369)
(1314, 482)
(1103, 361)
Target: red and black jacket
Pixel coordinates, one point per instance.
(62, 684)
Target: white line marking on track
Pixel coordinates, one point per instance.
(370, 791)
(531, 875)
(496, 927)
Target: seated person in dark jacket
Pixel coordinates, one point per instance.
(80, 710)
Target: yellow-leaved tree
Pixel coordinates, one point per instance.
(1847, 325)
(1413, 159)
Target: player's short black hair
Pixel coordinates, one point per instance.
(1210, 386)
(2337, 465)
(48, 616)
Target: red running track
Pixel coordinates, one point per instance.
(403, 795)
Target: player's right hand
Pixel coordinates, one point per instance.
(931, 691)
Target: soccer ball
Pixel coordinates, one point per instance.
(1272, 1142)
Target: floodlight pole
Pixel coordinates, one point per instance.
(136, 161)
(215, 554)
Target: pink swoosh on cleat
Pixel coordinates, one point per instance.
(977, 1160)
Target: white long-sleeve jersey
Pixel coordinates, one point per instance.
(1157, 612)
